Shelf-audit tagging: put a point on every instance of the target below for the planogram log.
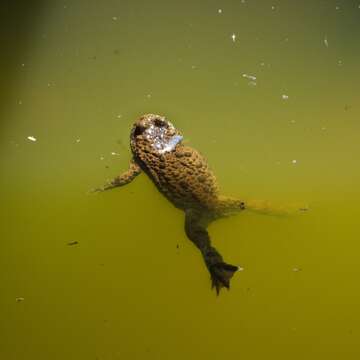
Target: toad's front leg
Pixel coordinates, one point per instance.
(123, 179)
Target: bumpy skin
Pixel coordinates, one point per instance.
(183, 176)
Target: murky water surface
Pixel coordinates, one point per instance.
(268, 92)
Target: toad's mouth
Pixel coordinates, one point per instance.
(160, 139)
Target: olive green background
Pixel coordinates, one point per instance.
(134, 287)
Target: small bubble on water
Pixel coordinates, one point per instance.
(294, 161)
(219, 11)
(284, 96)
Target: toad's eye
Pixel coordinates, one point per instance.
(139, 130)
(159, 123)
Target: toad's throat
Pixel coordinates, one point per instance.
(160, 140)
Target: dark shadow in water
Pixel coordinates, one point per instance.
(18, 23)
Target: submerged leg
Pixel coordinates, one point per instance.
(220, 272)
(229, 205)
(123, 179)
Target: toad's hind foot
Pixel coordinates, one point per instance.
(221, 273)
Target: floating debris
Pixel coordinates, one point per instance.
(114, 153)
(233, 37)
(326, 42)
(220, 11)
(72, 243)
(250, 77)
(19, 299)
(284, 96)
(294, 161)
(32, 138)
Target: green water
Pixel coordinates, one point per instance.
(76, 74)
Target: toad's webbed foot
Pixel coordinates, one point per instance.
(220, 272)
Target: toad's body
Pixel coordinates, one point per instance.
(183, 176)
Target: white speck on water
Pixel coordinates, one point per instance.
(22, 64)
(326, 42)
(102, 158)
(250, 77)
(273, 8)
(77, 140)
(252, 83)
(296, 269)
(233, 37)
(294, 161)
(240, 268)
(19, 299)
(32, 138)
(119, 116)
(337, 7)
(114, 153)
(220, 11)
(284, 96)
(340, 63)
(262, 64)
(148, 96)
(114, 18)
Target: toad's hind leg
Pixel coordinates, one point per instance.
(220, 272)
(228, 205)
